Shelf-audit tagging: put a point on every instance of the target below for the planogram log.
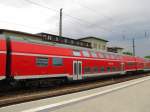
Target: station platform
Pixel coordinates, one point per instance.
(129, 96)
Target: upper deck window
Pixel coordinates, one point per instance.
(76, 53)
(86, 53)
(106, 55)
(94, 54)
(100, 55)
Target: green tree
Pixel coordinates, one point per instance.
(148, 57)
(128, 53)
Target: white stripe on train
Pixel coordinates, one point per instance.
(31, 54)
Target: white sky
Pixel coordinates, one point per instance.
(108, 19)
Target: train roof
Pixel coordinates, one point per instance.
(63, 45)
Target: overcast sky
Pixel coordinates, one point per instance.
(115, 20)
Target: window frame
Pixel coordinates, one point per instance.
(87, 71)
(86, 53)
(42, 61)
(57, 64)
(95, 69)
(102, 69)
(78, 53)
(93, 54)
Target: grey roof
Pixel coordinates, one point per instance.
(91, 37)
(115, 47)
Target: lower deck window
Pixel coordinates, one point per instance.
(113, 69)
(108, 69)
(102, 69)
(57, 61)
(87, 70)
(95, 69)
(41, 61)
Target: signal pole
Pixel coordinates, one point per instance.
(60, 23)
(133, 41)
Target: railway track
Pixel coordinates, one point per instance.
(24, 95)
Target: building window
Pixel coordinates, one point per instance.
(41, 61)
(65, 41)
(95, 45)
(99, 46)
(103, 47)
(86, 53)
(72, 42)
(68, 41)
(76, 53)
(57, 61)
(87, 70)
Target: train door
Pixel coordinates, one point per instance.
(122, 68)
(77, 70)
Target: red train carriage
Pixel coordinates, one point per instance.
(31, 60)
(27, 59)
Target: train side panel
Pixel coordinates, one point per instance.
(31, 60)
(2, 59)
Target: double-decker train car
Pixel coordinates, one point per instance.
(23, 59)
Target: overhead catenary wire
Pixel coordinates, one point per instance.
(73, 17)
(94, 11)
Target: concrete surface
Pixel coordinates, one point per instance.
(132, 96)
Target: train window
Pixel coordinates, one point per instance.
(119, 68)
(118, 57)
(107, 56)
(57, 61)
(94, 54)
(115, 56)
(104, 55)
(76, 53)
(102, 69)
(41, 61)
(130, 63)
(108, 69)
(86, 53)
(87, 69)
(100, 55)
(112, 56)
(113, 69)
(95, 69)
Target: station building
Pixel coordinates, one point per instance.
(96, 42)
(115, 49)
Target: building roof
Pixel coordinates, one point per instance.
(64, 40)
(91, 37)
(115, 48)
(19, 32)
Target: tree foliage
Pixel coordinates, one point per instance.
(128, 53)
(148, 57)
